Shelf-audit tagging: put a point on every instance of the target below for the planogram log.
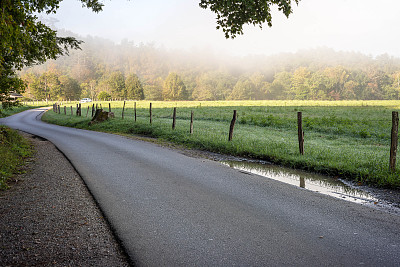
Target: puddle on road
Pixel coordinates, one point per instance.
(314, 182)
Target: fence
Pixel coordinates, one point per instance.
(300, 128)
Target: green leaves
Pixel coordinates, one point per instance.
(133, 87)
(25, 41)
(233, 14)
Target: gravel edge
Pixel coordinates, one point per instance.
(49, 218)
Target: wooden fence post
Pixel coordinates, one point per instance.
(302, 182)
(92, 110)
(394, 141)
(59, 109)
(135, 111)
(300, 132)
(65, 110)
(174, 119)
(123, 110)
(72, 113)
(150, 114)
(80, 109)
(109, 107)
(191, 121)
(232, 126)
(87, 112)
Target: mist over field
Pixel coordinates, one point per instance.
(314, 74)
(170, 50)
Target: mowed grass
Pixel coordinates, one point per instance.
(348, 139)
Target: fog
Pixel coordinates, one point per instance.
(364, 26)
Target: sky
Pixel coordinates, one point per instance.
(366, 26)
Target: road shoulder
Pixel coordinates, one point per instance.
(48, 217)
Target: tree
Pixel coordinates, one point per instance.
(299, 87)
(153, 89)
(350, 89)
(30, 79)
(243, 90)
(205, 86)
(104, 96)
(69, 87)
(337, 77)
(260, 85)
(134, 88)
(48, 86)
(318, 86)
(280, 87)
(25, 41)
(174, 88)
(232, 15)
(88, 89)
(116, 82)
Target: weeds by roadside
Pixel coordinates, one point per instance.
(14, 149)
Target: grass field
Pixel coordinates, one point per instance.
(348, 139)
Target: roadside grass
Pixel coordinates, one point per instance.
(14, 110)
(348, 139)
(24, 106)
(14, 149)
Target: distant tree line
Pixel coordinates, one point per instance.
(52, 85)
(130, 71)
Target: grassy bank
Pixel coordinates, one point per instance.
(14, 149)
(349, 139)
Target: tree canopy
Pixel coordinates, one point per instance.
(233, 14)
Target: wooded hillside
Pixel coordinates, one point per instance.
(137, 71)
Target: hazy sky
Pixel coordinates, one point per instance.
(367, 26)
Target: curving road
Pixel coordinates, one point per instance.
(174, 210)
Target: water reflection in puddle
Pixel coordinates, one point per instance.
(314, 182)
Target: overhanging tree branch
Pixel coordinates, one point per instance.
(233, 14)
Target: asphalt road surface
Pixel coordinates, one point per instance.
(171, 209)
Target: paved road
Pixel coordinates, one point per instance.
(170, 209)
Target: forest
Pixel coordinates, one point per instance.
(105, 70)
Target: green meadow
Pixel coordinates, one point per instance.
(346, 139)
